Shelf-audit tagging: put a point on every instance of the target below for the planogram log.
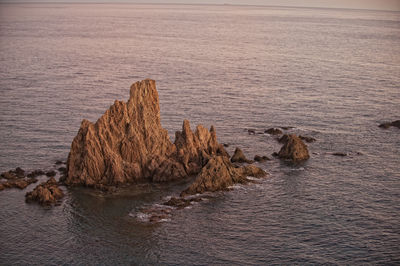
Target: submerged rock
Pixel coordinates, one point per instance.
(219, 173)
(238, 157)
(273, 131)
(128, 144)
(390, 124)
(294, 149)
(259, 158)
(46, 193)
(341, 154)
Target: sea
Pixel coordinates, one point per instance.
(330, 74)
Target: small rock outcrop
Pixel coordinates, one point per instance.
(46, 193)
(128, 144)
(293, 149)
(238, 157)
(219, 173)
(13, 174)
(20, 183)
(273, 131)
(390, 124)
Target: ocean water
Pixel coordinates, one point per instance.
(332, 74)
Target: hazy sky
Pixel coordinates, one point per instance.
(363, 4)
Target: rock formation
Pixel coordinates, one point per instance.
(46, 193)
(13, 174)
(128, 144)
(293, 149)
(219, 173)
(238, 157)
(390, 124)
(20, 183)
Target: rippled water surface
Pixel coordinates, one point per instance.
(332, 74)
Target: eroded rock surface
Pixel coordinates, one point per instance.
(128, 144)
(46, 193)
(239, 157)
(13, 174)
(20, 183)
(219, 173)
(293, 149)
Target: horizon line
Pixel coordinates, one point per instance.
(190, 4)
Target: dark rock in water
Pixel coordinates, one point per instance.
(51, 173)
(275, 154)
(251, 131)
(238, 157)
(36, 173)
(58, 162)
(307, 139)
(46, 193)
(390, 124)
(20, 183)
(128, 144)
(273, 131)
(294, 149)
(19, 172)
(342, 154)
(219, 173)
(396, 123)
(62, 170)
(258, 158)
(226, 145)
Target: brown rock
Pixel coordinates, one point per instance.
(273, 131)
(13, 174)
(238, 157)
(46, 193)
(20, 183)
(219, 173)
(294, 149)
(128, 144)
(8, 175)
